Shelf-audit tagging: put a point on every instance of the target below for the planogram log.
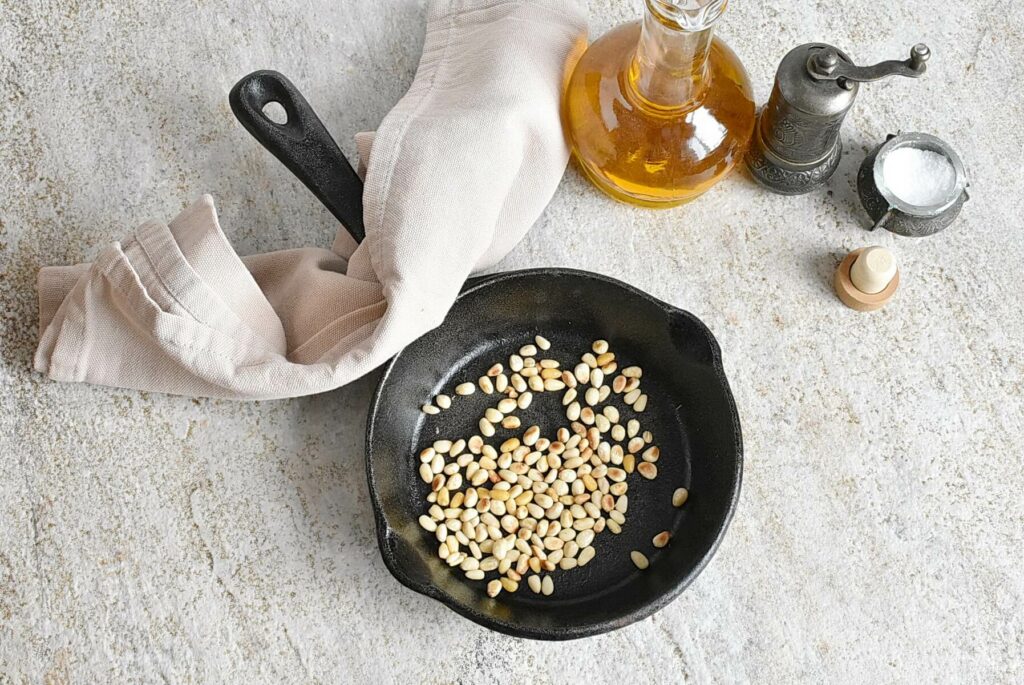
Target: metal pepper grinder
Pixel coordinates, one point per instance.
(796, 146)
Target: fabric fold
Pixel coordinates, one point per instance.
(456, 174)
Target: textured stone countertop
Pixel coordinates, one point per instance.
(149, 538)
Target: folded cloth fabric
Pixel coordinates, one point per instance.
(457, 173)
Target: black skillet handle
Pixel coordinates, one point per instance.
(301, 143)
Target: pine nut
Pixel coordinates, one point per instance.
(605, 358)
(542, 342)
(536, 383)
(486, 427)
(524, 400)
(631, 397)
(602, 423)
(635, 445)
(596, 378)
(573, 411)
(632, 428)
(618, 432)
(590, 360)
(639, 560)
(493, 588)
(647, 470)
(599, 346)
(619, 384)
(547, 586)
(554, 385)
(531, 435)
(640, 404)
(582, 373)
(510, 422)
(486, 385)
(679, 497)
(586, 554)
(651, 454)
(465, 389)
(568, 397)
(648, 437)
(501, 382)
(528, 350)
(629, 463)
(632, 372)
(661, 539)
(495, 370)
(510, 444)
(430, 409)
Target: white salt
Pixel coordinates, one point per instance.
(919, 177)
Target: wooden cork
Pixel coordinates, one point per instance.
(854, 298)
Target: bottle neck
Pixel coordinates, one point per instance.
(669, 68)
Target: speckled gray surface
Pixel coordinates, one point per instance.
(148, 538)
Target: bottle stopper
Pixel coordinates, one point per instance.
(867, 279)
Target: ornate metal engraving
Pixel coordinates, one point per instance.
(788, 181)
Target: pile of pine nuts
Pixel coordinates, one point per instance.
(527, 505)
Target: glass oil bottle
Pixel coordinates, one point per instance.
(659, 110)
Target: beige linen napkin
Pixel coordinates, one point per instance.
(459, 171)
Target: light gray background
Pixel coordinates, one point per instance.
(148, 538)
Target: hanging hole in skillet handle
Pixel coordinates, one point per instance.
(275, 111)
(301, 142)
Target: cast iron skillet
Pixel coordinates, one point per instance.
(690, 411)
